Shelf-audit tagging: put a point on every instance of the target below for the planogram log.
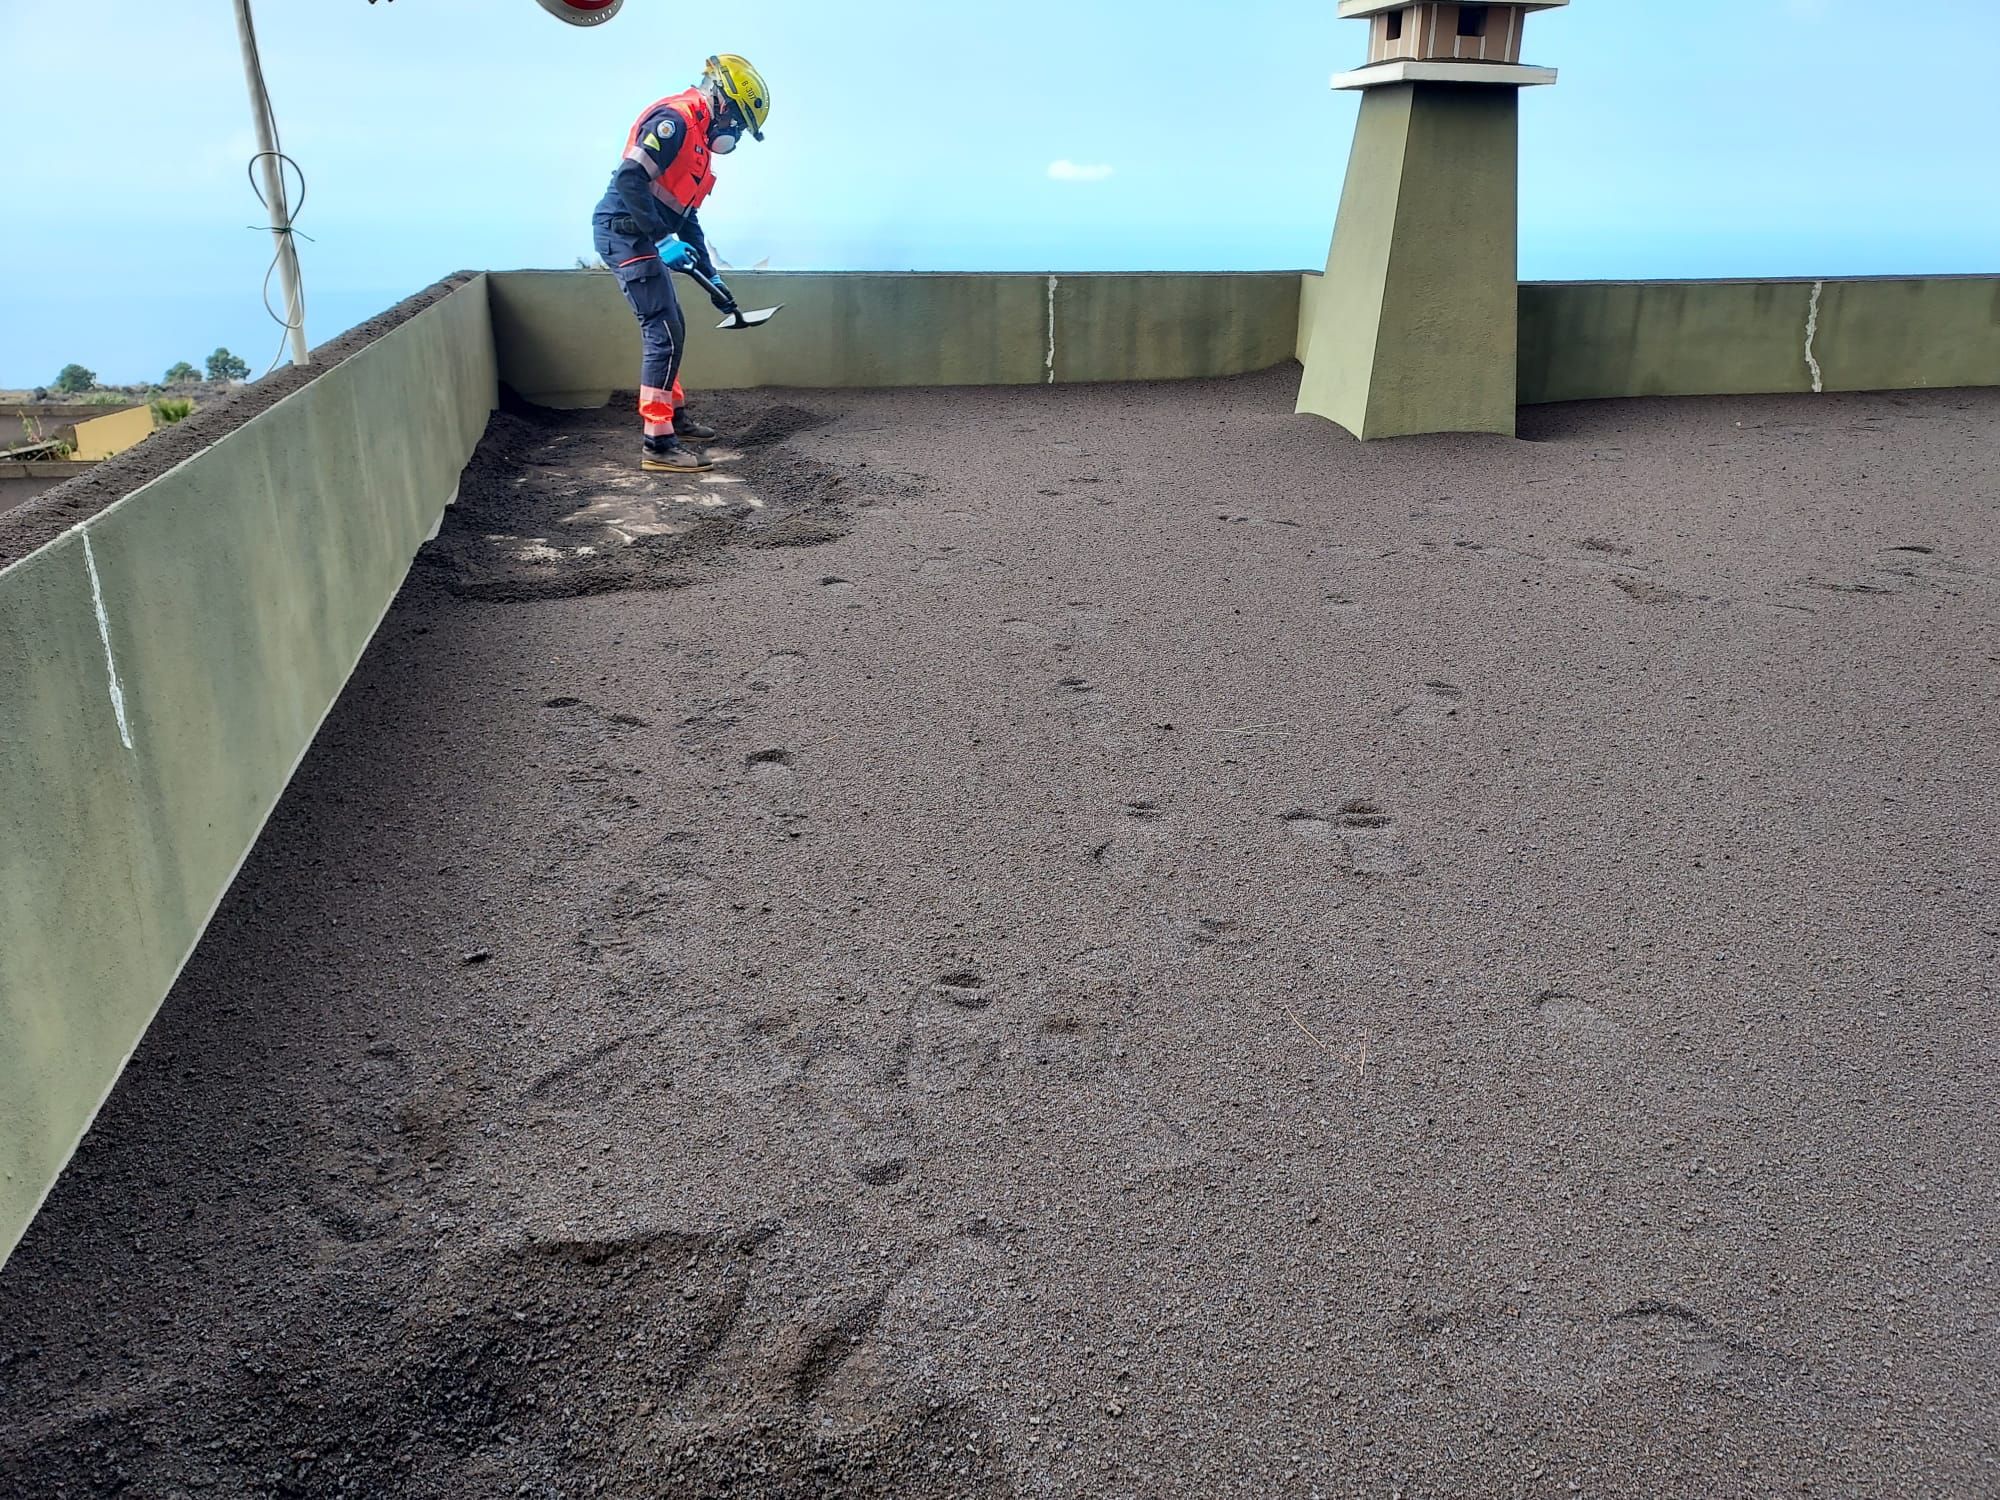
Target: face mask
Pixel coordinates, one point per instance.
(722, 144)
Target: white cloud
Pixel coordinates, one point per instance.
(1069, 171)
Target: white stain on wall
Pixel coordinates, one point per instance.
(1812, 332)
(104, 635)
(1052, 331)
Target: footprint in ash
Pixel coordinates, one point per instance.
(852, 1060)
(780, 669)
(1366, 834)
(1223, 935)
(1092, 714)
(1135, 843)
(965, 989)
(957, 1033)
(1574, 1022)
(771, 769)
(1434, 703)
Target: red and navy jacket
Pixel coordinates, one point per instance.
(667, 174)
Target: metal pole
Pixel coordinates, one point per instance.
(274, 184)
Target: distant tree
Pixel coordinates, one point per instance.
(75, 380)
(222, 365)
(182, 374)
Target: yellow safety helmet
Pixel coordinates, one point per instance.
(743, 86)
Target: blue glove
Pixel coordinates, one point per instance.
(678, 255)
(722, 297)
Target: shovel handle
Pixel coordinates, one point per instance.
(711, 288)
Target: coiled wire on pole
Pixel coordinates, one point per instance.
(272, 161)
(298, 288)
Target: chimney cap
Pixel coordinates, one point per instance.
(1407, 70)
(1356, 10)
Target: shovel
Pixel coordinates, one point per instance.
(737, 318)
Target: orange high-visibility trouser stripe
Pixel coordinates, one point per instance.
(657, 408)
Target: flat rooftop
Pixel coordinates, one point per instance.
(1096, 940)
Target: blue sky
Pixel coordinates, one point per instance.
(1692, 138)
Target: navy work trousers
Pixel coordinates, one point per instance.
(649, 288)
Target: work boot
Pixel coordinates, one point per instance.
(688, 430)
(667, 456)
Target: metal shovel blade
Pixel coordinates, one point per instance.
(741, 319)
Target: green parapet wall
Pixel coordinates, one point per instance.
(163, 668)
(1592, 340)
(566, 338)
(1413, 326)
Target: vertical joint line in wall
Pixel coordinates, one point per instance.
(1812, 332)
(1052, 331)
(104, 635)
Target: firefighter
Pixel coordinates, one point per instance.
(655, 195)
